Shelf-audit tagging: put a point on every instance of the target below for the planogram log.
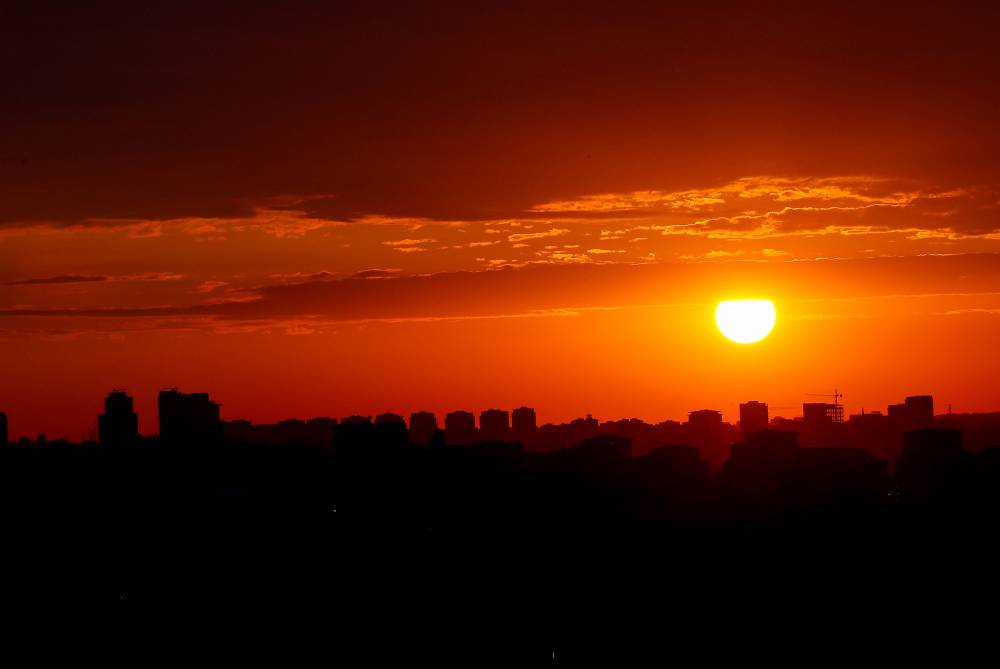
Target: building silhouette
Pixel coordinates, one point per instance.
(187, 415)
(494, 425)
(920, 411)
(753, 417)
(460, 428)
(119, 424)
(704, 431)
(822, 424)
(932, 462)
(524, 424)
(606, 450)
(389, 432)
(4, 437)
(313, 432)
(423, 425)
(355, 420)
(673, 465)
(554, 437)
(873, 432)
(764, 446)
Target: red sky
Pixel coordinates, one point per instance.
(315, 211)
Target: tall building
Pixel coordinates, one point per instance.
(704, 431)
(494, 425)
(187, 415)
(119, 424)
(753, 417)
(919, 411)
(523, 424)
(423, 425)
(4, 437)
(460, 428)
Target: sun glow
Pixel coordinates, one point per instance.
(745, 321)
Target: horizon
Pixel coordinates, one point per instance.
(729, 417)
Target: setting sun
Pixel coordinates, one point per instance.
(745, 321)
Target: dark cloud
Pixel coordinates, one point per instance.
(545, 288)
(376, 273)
(444, 111)
(64, 278)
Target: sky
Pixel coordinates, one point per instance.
(308, 209)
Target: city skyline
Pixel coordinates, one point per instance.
(148, 425)
(427, 214)
(192, 417)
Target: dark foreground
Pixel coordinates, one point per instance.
(220, 551)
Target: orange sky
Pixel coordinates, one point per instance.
(309, 211)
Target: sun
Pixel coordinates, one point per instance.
(745, 321)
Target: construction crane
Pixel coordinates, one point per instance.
(836, 412)
(836, 395)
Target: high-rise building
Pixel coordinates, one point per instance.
(919, 411)
(704, 431)
(4, 437)
(187, 415)
(119, 424)
(524, 424)
(460, 428)
(423, 425)
(753, 417)
(494, 425)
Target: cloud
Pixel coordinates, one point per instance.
(408, 242)
(560, 282)
(860, 189)
(149, 276)
(281, 223)
(322, 275)
(745, 208)
(377, 273)
(209, 286)
(715, 255)
(83, 278)
(522, 236)
(776, 206)
(63, 278)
